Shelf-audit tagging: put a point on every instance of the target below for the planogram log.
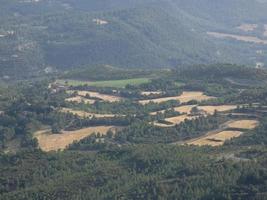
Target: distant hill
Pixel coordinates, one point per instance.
(67, 34)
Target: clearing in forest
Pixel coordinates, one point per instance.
(84, 114)
(244, 124)
(216, 139)
(183, 98)
(53, 142)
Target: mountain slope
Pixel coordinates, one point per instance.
(65, 34)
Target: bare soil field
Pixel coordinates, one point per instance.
(104, 97)
(244, 124)
(53, 142)
(183, 98)
(79, 99)
(247, 27)
(217, 139)
(242, 38)
(84, 114)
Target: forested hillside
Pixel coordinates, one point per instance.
(50, 35)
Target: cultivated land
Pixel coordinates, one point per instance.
(244, 124)
(104, 97)
(53, 142)
(79, 99)
(208, 109)
(111, 83)
(179, 119)
(221, 108)
(217, 139)
(183, 98)
(84, 114)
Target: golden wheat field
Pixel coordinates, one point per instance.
(183, 98)
(217, 139)
(244, 124)
(208, 109)
(179, 119)
(53, 142)
(84, 114)
(104, 97)
(221, 108)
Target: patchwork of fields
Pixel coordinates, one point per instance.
(179, 114)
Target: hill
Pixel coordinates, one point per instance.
(51, 35)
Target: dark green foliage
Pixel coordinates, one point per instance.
(151, 33)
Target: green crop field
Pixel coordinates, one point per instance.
(112, 83)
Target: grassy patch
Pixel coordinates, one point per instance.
(111, 83)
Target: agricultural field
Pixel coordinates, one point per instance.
(208, 109)
(104, 97)
(84, 114)
(172, 121)
(54, 142)
(111, 83)
(183, 98)
(244, 124)
(221, 108)
(217, 139)
(179, 119)
(79, 99)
